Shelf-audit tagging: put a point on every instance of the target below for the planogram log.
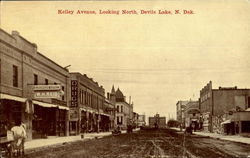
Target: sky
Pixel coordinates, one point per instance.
(156, 59)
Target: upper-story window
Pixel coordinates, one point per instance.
(35, 79)
(248, 102)
(121, 108)
(63, 92)
(46, 81)
(15, 76)
(117, 108)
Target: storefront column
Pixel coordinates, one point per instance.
(67, 123)
(240, 127)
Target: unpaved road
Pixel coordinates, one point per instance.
(149, 143)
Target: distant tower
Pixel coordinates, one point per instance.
(112, 95)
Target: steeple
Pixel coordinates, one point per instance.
(113, 90)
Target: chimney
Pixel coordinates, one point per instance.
(108, 95)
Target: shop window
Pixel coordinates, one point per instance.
(35, 79)
(15, 76)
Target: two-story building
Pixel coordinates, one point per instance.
(180, 109)
(87, 104)
(33, 88)
(124, 110)
(225, 109)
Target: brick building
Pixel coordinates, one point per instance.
(225, 109)
(157, 121)
(87, 108)
(22, 70)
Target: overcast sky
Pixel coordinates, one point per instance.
(155, 59)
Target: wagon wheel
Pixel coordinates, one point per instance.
(9, 150)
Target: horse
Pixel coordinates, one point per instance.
(19, 135)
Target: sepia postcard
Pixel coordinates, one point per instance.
(125, 79)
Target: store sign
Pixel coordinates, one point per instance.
(47, 87)
(47, 94)
(73, 114)
(74, 93)
(47, 91)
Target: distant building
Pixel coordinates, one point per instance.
(135, 119)
(180, 108)
(192, 114)
(124, 109)
(142, 120)
(225, 109)
(157, 121)
(109, 111)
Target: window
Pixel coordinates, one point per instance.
(248, 102)
(63, 93)
(35, 79)
(121, 120)
(117, 120)
(117, 108)
(15, 76)
(121, 108)
(46, 81)
(85, 97)
(81, 96)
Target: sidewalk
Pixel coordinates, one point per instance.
(36, 143)
(233, 138)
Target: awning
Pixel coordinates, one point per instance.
(11, 97)
(226, 122)
(247, 109)
(193, 111)
(104, 114)
(48, 105)
(63, 107)
(83, 109)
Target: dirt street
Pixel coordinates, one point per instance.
(149, 143)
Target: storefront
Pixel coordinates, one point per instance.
(237, 123)
(13, 111)
(48, 120)
(84, 121)
(105, 122)
(74, 121)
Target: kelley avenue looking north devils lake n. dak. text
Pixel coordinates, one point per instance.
(124, 11)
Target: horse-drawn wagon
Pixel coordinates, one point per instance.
(12, 143)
